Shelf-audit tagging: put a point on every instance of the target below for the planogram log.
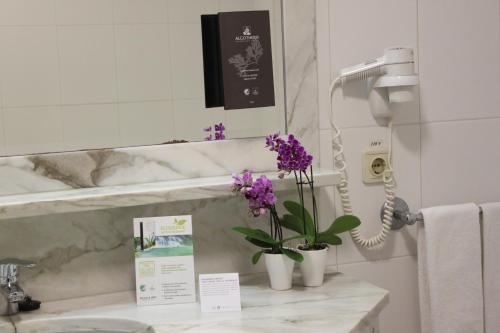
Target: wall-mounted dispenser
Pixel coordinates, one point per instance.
(390, 79)
(212, 67)
(237, 60)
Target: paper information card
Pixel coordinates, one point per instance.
(164, 264)
(220, 292)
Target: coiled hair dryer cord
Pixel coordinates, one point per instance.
(377, 241)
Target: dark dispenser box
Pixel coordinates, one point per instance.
(237, 60)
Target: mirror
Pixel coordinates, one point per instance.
(83, 74)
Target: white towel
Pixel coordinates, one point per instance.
(491, 266)
(450, 272)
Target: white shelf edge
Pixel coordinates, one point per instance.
(86, 199)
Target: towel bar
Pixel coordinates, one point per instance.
(402, 215)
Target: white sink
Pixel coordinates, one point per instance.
(82, 325)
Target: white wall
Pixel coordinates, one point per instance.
(82, 74)
(445, 144)
(460, 94)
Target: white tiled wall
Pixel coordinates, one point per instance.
(459, 55)
(445, 143)
(29, 66)
(153, 120)
(460, 101)
(86, 64)
(144, 76)
(101, 118)
(81, 74)
(47, 135)
(71, 12)
(470, 169)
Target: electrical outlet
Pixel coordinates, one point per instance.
(374, 164)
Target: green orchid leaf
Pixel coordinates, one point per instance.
(329, 238)
(294, 255)
(257, 234)
(259, 243)
(256, 257)
(344, 223)
(289, 239)
(292, 222)
(297, 210)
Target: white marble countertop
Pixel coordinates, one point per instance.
(6, 325)
(343, 304)
(84, 199)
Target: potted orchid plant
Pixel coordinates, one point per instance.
(262, 201)
(293, 159)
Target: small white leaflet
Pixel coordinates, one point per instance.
(220, 292)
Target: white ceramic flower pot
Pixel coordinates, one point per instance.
(313, 266)
(280, 270)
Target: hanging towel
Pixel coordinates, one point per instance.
(449, 269)
(491, 266)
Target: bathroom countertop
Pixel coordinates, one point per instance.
(6, 325)
(342, 305)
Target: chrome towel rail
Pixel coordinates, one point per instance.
(402, 215)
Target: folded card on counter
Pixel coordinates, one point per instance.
(164, 262)
(220, 292)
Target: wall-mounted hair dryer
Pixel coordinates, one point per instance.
(389, 79)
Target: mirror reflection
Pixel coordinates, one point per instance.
(118, 73)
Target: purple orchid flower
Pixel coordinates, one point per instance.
(292, 156)
(243, 182)
(220, 127)
(219, 131)
(219, 136)
(259, 193)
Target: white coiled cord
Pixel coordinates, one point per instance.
(377, 241)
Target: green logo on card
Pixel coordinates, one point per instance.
(180, 222)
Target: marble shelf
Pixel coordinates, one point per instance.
(342, 305)
(94, 198)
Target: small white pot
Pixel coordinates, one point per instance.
(313, 266)
(280, 269)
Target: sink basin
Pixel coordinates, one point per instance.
(82, 325)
